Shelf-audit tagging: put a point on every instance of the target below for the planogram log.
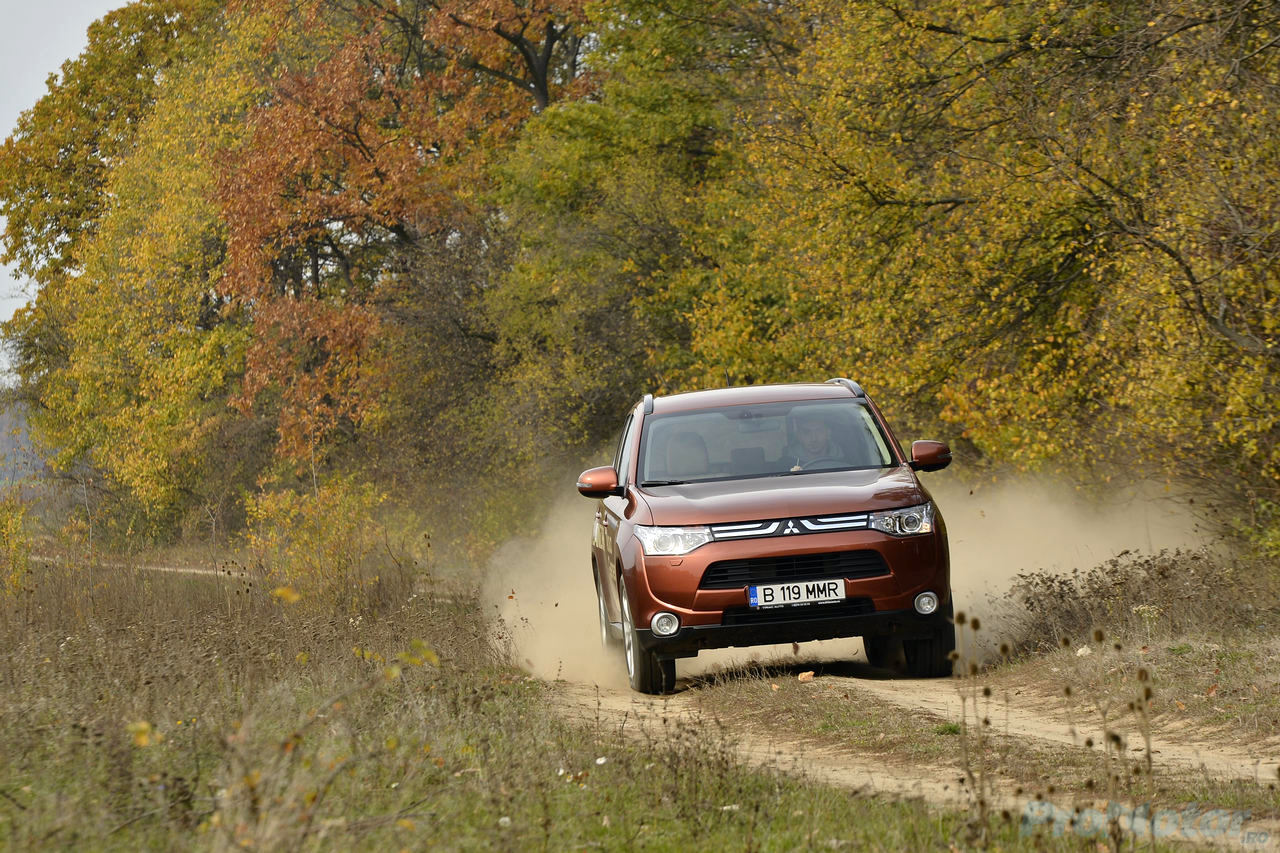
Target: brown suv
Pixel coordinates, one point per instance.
(768, 514)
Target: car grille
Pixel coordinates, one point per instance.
(731, 574)
(837, 610)
(791, 526)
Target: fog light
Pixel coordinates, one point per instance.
(926, 603)
(665, 624)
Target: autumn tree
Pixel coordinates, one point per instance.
(54, 167)
(607, 201)
(1050, 227)
(365, 167)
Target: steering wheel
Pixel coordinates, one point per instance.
(812, 462)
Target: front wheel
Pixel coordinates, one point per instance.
(645, 670)
(916, 657)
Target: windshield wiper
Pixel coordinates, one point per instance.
(663, 483)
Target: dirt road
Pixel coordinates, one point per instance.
(941, 783)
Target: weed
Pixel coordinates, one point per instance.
(1144, 597)
(326, 548)
(156, 710)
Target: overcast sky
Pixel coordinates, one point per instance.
(35, 39)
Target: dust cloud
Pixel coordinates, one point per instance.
(541, 588)
(543, 595)
(998, 529)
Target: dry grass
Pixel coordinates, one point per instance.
(1144, 598)
(1166, 645)
(164, 711)
(831, 713)
(1201, 625)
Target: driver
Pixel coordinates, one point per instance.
(813, 441)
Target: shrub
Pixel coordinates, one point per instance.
(15, 544)
(326, 547)
(1142, 596)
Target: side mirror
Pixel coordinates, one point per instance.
(929, 455)
(599, 482)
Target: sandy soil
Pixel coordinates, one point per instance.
(1040, 719)
(651, 718)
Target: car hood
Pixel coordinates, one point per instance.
(793, 496)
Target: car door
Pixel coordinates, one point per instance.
(608, 522)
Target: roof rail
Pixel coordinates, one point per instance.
(648, 404)
(850, 384)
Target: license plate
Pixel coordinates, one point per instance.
(802, 592)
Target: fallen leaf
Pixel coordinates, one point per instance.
(1212, 691)
(774, 686)
(805, 676)
(1181, 707)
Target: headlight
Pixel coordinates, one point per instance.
(904, 522)
(671, 541)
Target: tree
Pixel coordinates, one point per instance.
(606, 201)
(152, 352)
(369, 152)
(1046, 226)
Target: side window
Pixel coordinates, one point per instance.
(624, 451)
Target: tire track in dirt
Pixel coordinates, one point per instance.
(650, 719)
(1025, 717)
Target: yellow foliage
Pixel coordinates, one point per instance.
(15, 543)
(318, 545)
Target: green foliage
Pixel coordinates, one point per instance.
(601, 198)
(1038, 227)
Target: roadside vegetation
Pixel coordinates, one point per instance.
(1202, 626)
(152, 710)
(1174, 646)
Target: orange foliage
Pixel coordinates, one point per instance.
(376, 144)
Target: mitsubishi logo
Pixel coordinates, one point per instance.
(790, 528)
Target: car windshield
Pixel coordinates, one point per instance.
(760, 440)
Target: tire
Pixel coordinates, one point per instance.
(608, 642)
(916, 657)
(645, 670)
(885, 653)
(930, 657)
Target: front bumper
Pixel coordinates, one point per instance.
(742, 627)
